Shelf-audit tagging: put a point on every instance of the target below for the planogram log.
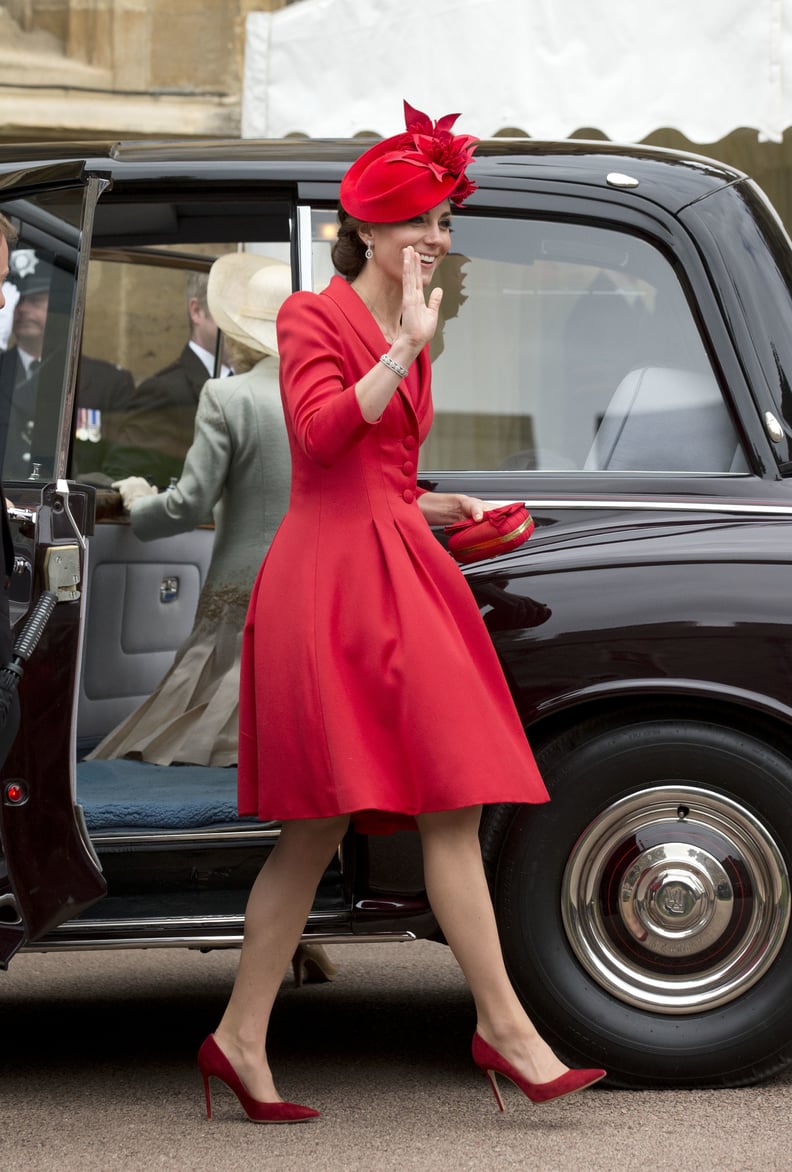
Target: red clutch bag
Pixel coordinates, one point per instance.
(499, 531)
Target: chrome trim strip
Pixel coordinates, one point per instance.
(95, 187)
(693, 506)
(129, 923)
(196, 834)
(208, 943)
(304, 247)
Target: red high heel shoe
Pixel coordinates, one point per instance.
(213, 1063)
(491, 1062)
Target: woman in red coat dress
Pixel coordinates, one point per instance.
(370, 687)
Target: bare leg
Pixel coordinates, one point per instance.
(457, 888)
(277, 909)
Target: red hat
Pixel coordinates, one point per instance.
(411, 172)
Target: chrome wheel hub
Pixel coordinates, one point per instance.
(676, 899)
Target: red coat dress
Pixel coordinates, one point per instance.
(369, 681)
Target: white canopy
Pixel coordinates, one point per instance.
(335, 68)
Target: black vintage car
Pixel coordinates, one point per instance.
(615, 350)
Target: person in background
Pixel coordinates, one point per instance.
(158, 428)
(237, 469)
(11, 724)
(104, 390)
(375, 695)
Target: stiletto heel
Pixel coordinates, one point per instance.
(213, 1063)
(493, 1082)
(312, 966)
(491, 1063)
(207, 1091)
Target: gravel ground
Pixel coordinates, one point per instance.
(99, 1073)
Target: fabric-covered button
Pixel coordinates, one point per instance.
(409, 495)
(408, 467)
(409, 442)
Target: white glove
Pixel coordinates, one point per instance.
(132, 488)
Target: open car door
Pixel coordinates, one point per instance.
(49, 872)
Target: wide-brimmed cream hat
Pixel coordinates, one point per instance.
(244, 293)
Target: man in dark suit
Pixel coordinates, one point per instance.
(159, 427)
(104, 395)
(104, 390)
(20, 365)
(11, 724)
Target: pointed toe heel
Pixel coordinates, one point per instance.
(492, 1063)
(213, 1063)
(312, 966)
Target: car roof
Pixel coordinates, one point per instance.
(670, 178)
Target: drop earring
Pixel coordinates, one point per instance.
(369, 251)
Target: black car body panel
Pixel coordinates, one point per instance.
(622, 365)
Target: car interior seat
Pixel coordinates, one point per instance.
(664, 419)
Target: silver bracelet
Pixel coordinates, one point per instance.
(395, 366)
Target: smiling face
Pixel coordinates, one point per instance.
(429, 234)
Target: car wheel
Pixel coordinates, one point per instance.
(645, 912)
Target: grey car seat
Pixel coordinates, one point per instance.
(663, 419)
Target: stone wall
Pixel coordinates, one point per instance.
(111, 69)
(97, 69)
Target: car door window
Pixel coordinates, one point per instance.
(132, 418)
(36, 330)
(568, 346)
(136, 398)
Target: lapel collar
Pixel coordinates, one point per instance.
(357, 314)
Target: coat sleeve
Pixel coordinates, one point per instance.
(190, 502)
(317, 386)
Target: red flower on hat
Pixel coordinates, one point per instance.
(404, 175)
(435, 147)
